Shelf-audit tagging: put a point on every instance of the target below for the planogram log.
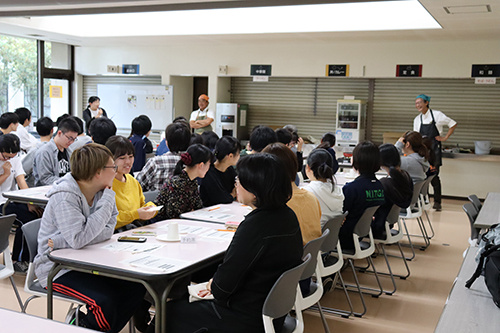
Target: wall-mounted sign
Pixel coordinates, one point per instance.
(55, 92)
(409, 71)
(485, 70)
(261, 79)
(337, 70)
(130, 69)
(485, 80)
(260, 70)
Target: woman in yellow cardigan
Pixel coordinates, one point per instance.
(133, 211)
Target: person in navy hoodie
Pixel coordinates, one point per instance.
(364, 192)
(141, 128)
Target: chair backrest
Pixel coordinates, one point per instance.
(331, 240)
(393, 215)
(150, 195)
(475, 201)
(364, 223)
(281, 298)
(312, 248)
(425, 186)
(30, 232)
(417, 187)
(471, 212)
(6, 222)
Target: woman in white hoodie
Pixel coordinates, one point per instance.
(319, 169)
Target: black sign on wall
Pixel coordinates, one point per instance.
(409, 71)
(337, 70)
(130, 69)
(485, 70)
(260, 70)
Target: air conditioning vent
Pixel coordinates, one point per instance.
(468, 9)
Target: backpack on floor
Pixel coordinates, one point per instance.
(490, 260)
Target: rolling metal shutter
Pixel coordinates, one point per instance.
(475, 108)
(308, 103)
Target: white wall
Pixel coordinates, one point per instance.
(306, 58)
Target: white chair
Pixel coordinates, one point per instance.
(150, 195)
(281, 299)
(475, 201)
(32, 286)
(392, 236)
(7, 269)
(414, 211)
(315, 293)
(363, 250)
(425, 201)
(330, 264)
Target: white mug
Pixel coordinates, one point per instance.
(173, 230)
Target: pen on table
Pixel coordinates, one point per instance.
(147, 250)
(211, 209)
(226, 230)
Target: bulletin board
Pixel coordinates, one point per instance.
(124, 102)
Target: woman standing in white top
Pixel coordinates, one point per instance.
(319, 169)
(93, 111)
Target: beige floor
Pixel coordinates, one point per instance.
(415, 307)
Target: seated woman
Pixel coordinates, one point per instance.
(328, 142)
(320, 170)
(303, 203)
(133, 211)
(266, 244)
(218, 185)
(363, 192)
(82, 211)
(415, 161)
(398, 188)
(180, 193)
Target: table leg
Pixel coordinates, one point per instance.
(162, 312)
(50, 292)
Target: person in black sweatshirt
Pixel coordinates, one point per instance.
(364, 192)
(266, 244)
(398, 188)
(218, 185)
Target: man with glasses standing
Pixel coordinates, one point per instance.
(52, 160)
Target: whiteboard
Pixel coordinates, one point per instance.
(124, 102)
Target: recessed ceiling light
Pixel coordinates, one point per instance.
(365, 16)
(468, 9)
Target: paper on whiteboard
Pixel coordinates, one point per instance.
(157, 263)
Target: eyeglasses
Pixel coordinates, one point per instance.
(111, 166)
(70, 139)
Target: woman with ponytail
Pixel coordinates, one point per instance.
(218, 185)
(416, 155)
(320, 169)
(398, 188)
(180, 193)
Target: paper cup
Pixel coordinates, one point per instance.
(173, 230)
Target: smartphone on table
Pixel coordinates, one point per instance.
(132, 239)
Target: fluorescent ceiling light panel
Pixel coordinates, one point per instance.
(367, 16)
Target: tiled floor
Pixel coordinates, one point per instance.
(415, 307)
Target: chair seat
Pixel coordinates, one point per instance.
(289, 325)
(393, 238)
(362, 244)
(329, 260)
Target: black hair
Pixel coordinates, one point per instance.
(262, 136)
(416, 143)
(329, 138)
(101, 129)
(284, 136)
(10, 143)
(428, 142)
(61, 118)
(225, 146)
(44, 126)
(389, 157)
(195, 138)
(178, 137)
(23, 114)
(287, 156)
(80, 123)
(198, 153)
(182, 120)
(92, 99)
(8, 118)
(119, 146)
(210, 138)
(68, 125)
(320, 161)
(366, 158)
(262, 175)
(141, 125)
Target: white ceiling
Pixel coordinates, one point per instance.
(466, 26)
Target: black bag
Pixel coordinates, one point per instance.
(490, 260)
